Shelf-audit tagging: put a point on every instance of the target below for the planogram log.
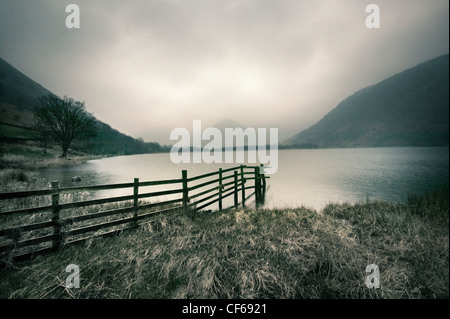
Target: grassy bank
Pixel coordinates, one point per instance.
(30, 156)
(19, 164)
(291, 253)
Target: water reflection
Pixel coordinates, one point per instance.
(312, 178)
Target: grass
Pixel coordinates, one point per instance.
(19, 164)
(30, 156)
(14, 132)
(256, 253)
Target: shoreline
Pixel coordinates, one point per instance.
(20, 163)
(30, 157)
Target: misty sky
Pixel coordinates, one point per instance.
(147, 67)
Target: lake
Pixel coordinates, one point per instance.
(312, 178)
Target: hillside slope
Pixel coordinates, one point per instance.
(407, 109)
(19, 95)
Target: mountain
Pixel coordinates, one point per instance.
(221, 125)
(18, 89)
(227, 123)
(19, 95)
(407, 109)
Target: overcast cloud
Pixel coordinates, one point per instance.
(146, 67)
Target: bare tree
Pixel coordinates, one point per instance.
(64, 121)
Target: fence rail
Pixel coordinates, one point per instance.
(58, 223)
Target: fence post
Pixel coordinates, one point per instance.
(135, 201)
(185, 190)
(55, 215)
(263, 178)
(257, 185)
(220, 189)
(243, 186)
(236, 201)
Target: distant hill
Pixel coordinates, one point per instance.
(407, 109)
(19, 96)
(227, 123)
(221, 125)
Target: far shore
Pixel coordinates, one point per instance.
(31, 157)
(19, 164)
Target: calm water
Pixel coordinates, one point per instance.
(312, 178)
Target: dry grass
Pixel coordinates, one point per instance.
(19, 164)
(292, 253)
(30, 156)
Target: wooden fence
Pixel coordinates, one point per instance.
(56, 219)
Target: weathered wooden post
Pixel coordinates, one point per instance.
(263, 177)
(236, 201)
(185, 191)
(57, 241)
(220, 189)
(135, 201)
(257, 185)
(263, 186)
(243, 186)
